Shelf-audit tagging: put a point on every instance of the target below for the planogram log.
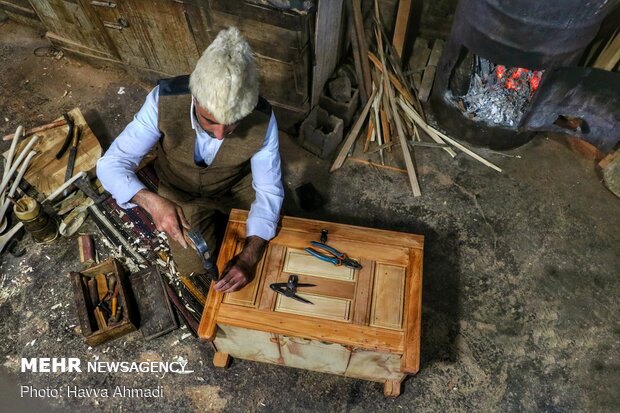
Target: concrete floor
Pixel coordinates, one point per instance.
(521, 275)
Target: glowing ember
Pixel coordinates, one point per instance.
(498, 94)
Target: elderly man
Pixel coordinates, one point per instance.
(217, 148)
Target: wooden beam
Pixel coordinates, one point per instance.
(355, 130)
(413, 179)
(362, 43)
(400, 29)
(327, 40)
(377, 165)
(399, 86)
(609, 57)
(429, 73)
(357, 58)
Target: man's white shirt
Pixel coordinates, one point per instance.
(116, 168)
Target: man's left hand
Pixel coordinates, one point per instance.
(240, 269)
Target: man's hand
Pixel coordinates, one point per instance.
(240, 270)
(167, 216)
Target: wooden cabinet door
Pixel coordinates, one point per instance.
(72, 23)
(150, 34)
(375, 308)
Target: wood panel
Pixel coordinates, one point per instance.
(151, 34)
(392, 254)
(207, 328)
(298, 261)
(410, 362)
(314, 355)
(272, 269)
(323, 286)
(387, 296)
(248, 295)
(248, 344)
(328, 308)
(46, 173)
(373, 365)
(75, 21)
(342, 231)
(327, 41)
(268, 15)
(370, 338)
(363, 291)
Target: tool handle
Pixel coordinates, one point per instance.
(333, 260)
(327, 248)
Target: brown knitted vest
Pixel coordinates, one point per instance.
(175, 151)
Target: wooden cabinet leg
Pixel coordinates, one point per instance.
(221, 359)
(392, 388)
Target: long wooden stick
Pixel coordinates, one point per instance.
(417, 119)
(355, 130)
(399, 86)
(357, 58)
(55, 124)
(378, 165)
(371, 128)
(356, 7)
(387, 87)
(402, 22)
(432, 131)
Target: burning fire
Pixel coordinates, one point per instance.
(515, 78)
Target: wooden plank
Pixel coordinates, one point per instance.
(609, 57)
(16, 8)
(399, 86)
(340, 231)
(273, 268)
(55, 124)
(413, 179)
(314, 355)
(248, 344)
(326, 41)
(371, 365)
(419, 61)
(355, 130)
(410, 362)
(363, 291)
(429, 73)
(357, 57)
(372, 250)
(327, 308)
(402, 23)
(46, 173)
(208, 328)
(370, 338)
(377, 165)
(298, 261)
(287, 19)
(323, 286)
(386, 309)
(361, 40)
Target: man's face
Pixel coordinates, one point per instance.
(209, 124)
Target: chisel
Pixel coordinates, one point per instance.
(72, 153)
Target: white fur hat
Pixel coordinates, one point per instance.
(225, 81)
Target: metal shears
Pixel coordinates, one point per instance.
(289, 288)
(336, 257)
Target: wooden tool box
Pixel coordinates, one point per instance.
(96, 332)
(362, 323)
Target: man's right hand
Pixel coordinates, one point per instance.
(167, 216)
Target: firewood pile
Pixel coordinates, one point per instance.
(392, 117)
